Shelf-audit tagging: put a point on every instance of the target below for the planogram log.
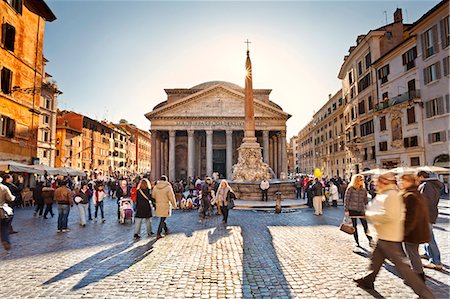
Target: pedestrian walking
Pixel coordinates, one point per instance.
(121, 192)
(334, 194)
(91, 186)
(98, 197)
(417, 229)
(16, 190)
(164, 202)
(63, 197)
(82, 198)
(205, 205)
(225, 195)
(6, 200)
(264, 186)
(355, 202)
(298, 187)
(144, 203)
(39, 201)
(387, 212)
(430, 188)
(317, 193)
(48, 194)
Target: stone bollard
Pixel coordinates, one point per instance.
(278, 202)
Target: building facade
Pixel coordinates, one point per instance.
(118, 146)
(69, 141)
(306, 151)
(21, 75)
(187, 144)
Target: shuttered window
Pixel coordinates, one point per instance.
(409, 57)
(383, 146)
(383, 123)
(6, 78)
(7, 127)
(430, 42)
(432, 73)
(16, 4)
(435, 107)
(383, 74)
(8, 36)
(411, 115)
(437, 137)
(445, 32)
(446, 65)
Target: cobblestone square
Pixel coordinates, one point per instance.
(258, 255)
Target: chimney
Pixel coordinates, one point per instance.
(398, 15)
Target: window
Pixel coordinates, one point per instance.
(383, 146)
(437, 137)
(366, 128)
(429, 42)
(432, 73)
(368, 60)
(365, 157)
(8, 36)
(353, 114)
(435, 107)
(383, 123)
(362, 107)
(446, 65)
(415, 161)
(410, 141)
(16, 4)
(383, 73)
(409, 58)
(46, 119)
(373, 152)
(6, 80)
(411, 115)
(48, 103)
(350, 77)
(354, 132)
(385, 96)
(370, 103)
(360, 68)
(352, 92)
(364, 83)
(57, 153)
(44, 153)
(445, 32)
(7, 127)
(45, 136)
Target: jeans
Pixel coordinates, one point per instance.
(4, 230)
(224, 210)
(412, 250)
(137, 227)
(48, 209)
(264, 195)
(394, 252)
(82, 208)
(89, 209)
(298, 193)
(162, 226)
(355, 225)
(39, 208)
(432, 249)
(99, 205)
(63, 216)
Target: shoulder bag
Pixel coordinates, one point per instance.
(347, 226)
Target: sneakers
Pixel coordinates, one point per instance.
(65, 230)
(363, 284)
(137, 237)
(103, 220)
(59, 231)
(158, 237)
(431, 265)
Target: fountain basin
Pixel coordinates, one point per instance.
(251, 190)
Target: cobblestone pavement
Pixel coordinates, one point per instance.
(259, 255)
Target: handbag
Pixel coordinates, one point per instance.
(230, 205)
(6, 212)
(347, 226)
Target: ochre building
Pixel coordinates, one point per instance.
(197, 131)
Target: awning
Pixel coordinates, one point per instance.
(71, 171)
(13, 166)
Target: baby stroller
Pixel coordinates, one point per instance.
(126, 210)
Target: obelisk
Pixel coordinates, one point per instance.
(250, 166)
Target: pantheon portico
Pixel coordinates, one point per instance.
(198, 130)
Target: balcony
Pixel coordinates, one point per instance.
(404, 97)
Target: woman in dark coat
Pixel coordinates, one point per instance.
(143, 208)
(37, 194)
(48, 194)
(416, 221)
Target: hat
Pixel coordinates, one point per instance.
(388, 177)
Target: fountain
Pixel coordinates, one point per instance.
(250, 169)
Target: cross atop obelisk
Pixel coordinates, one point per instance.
(249, 127)
(248, 44)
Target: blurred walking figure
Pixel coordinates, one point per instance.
(334, 193)
(224, 196)
(417, 230)
(98, 197)
(355, 202)
(48, 194)
(144, 202)
(431, 191)
(387, 212)
(6, 199)
(164, 202)
(317, 192)
(37, 194)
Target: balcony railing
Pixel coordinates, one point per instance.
(407, 96)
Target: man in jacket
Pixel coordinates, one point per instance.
(387, 213)
(431, 191)
(63, 197)
(6, 197)
(16, 190)
(264, 186)
(317, 192)
(164, 202)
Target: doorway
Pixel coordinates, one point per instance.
(219, 162)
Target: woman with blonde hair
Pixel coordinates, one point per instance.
(355, 202)
(224, 197)
(416, 221)
(143, 208)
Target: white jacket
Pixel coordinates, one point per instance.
(101, 196)
(334, 192)
(387, 212)
(264, 185)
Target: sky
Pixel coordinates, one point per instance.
(113, 59)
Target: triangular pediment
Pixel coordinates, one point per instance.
(216, 101)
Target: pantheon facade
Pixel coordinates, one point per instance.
(197, 131)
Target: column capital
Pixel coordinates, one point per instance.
(190, 133)
(172, 133)
(265, 133)
(209, 132)
(229, 132)
(283, 133)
